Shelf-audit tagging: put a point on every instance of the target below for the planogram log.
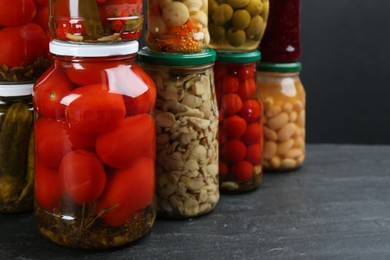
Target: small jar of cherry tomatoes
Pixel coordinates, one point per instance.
(24, 40)
(240, 122)
(94, 146)
(187, 126)
(96, 21)
(281, 42)
(177, 26)
(16, 148)
(284, 102)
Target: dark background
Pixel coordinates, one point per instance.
(346, 70)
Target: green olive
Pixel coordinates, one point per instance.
(238, 3)
(241, 19)
(212, 5)
(236, 37)
(255, 7)
(217, 32)
(222, 14)
(256, 27)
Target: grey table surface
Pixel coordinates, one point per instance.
(337, 206)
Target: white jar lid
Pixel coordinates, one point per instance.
(16, 90)
(93, 50)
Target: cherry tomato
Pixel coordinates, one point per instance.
(234, 126)
(223, 170)
(49, 90)
(21, 45)
(66, 26)
(51, 142)
(130, 36)
(92, 109)
(242, 171)
(251, 110)
(253, 133)
(253, 154)
(246, 71)
(230, 84)
(46, 188)
(42, 17)
(127, 192)
(247, 89)
(231, 103)
(233, 151)
(93, 72)
(134, 137)
(82, 176)
(16, 12)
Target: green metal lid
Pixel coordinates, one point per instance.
(176, 59)
(279, 67)
(239, 57)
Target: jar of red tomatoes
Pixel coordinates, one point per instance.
(284, 100)
(240, 121)
(237, 25)
(94, 146)
(16, 148)
(24, 40)
(187, 126)
(281, 42)
(177, 26)
(96, 21)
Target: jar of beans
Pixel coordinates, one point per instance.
(284, 98)
(240, 121)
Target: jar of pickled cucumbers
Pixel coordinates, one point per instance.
(94, 146)
(281, 42)
(237, 25)
(24, 40)
(240, 121)
(177, 26)
(187, 125)
(96, 21)
(16, 148)
(284, 102)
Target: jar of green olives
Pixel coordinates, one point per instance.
(237, 25)
(16, 148)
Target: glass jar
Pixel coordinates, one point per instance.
(187, 126)
(96, 21)
(24, 41)
(240, 122)
(281, 42)
(177, 26)
(284, 100)
(94, 146)
(16, 148)
(237, 25)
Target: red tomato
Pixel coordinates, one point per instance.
(134, 137)
(253, 133)
(128, 191)
(82, 176)
(251, 110)
(42, 17)
(247, 89)
(141, 104)
(230, 84)
(91, 109)
(223, 170)
(46, 188)
(253, 154)
(234, 126)
(81, 141)
(66, 26)
(21, 45)
(16, 12)
(231, 103)
(42, 2)
(246, 71)
(51, 142)
(130, 36)
(242, 171)
(49, 90)
(87, 73)
(233, 151)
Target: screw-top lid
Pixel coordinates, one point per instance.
(176, 59)
(239, 57)
(93, 50)
(279, 67)
(16, 90)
